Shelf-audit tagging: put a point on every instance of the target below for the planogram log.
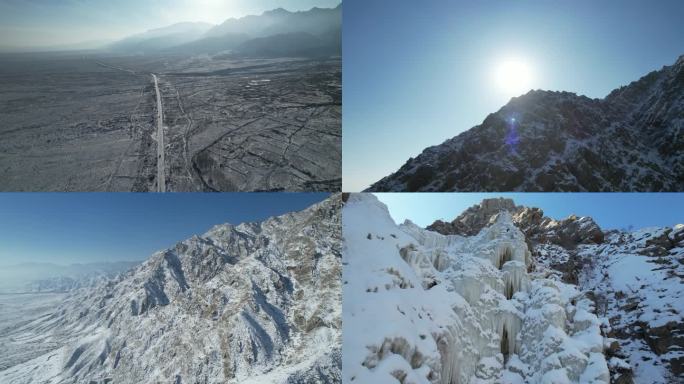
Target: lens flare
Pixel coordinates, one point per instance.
(512, 137)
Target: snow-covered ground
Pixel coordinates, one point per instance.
(640, 289)
(19, 340)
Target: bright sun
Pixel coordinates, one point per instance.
(513, 77)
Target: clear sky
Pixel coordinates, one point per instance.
(419, 72)
(65, 228)
(48, 22)
(609, 210)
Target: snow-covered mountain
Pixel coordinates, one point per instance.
(248, 303)
(504, 294)
(274, 33)
(557, 141)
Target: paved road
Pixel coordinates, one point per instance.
(161, 176)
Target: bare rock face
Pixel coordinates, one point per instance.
(248, 303)
(567, 232)
(473, 219)
(559, 141)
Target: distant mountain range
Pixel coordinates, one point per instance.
(162, 38)
(505, 294)
(275, 33)
(631, 140)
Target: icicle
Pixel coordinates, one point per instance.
(505, 345)
(505, 256)
(509, 326)
(439, 260)
(515, 278)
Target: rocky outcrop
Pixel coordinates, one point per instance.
(473, 219)
(567, 232)
(558, 141)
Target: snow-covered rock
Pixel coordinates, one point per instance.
(422, 307)
(641, 294)
(248, 303)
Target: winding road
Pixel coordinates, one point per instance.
(161, 176)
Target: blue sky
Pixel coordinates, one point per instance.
(48, 22)
(66, 228)
(419, 72)
(609, 210)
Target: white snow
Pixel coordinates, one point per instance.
(637, 289)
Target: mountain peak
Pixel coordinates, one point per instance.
(277, 11)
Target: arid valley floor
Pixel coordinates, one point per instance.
(87, 122)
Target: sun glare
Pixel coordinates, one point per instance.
(513, 76)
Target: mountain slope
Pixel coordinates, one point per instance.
(290, 44)
(256, 302)
(316, 21)
(210, 44)
(557, 141)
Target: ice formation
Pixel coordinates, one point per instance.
(421, 307)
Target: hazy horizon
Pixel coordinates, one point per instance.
(419, 73)
(69, 264)
(45, 25)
